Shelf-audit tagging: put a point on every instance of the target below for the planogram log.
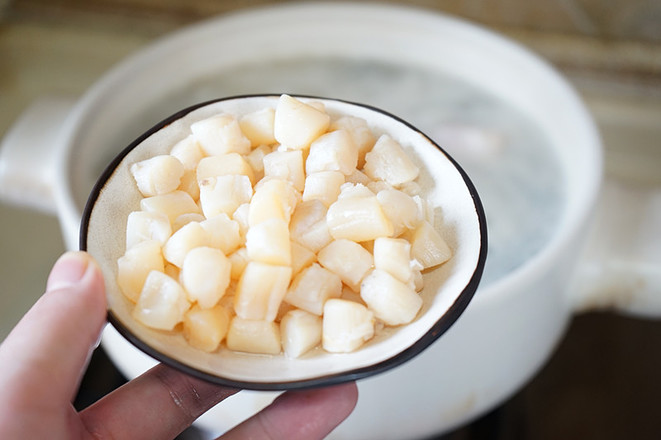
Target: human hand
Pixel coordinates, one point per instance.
(43, 359)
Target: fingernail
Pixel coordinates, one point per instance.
(68, 270)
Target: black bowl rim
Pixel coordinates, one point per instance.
(440, 326)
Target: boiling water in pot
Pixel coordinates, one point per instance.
(506, 155)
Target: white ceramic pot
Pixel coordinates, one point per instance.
(516, 318)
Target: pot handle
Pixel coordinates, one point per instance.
(621, 268)
(28, 154)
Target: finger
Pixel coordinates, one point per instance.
(56, 336)
(305, 415)
(159, 404)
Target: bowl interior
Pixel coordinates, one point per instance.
(447, 291)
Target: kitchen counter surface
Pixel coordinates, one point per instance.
(602, 381)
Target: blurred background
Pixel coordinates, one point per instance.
(602, 382)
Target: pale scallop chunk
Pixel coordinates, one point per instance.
(273, 199)
(324, 186)
(134, 266)
(227, 301)
(162, 303)
(308, 225)
(349, 260)
(261, 290)
(358, 176)
(188, 152)
(157, 175)
(425, 209)
(258, 126)
(411, 188)
(239, 261)
(346, 325)
(312, 287)
(301, 257)
(286, 165)
(223, 233)
(241, 217)
(348, 190)
(377, 186)
(142, 226)
(300, 332)
(392, 301)
(184, 219)
(428, 247)
(256, 159)
(416, 282)
(393, 255)
(205, 274)
(400, 208)
(253, 336)
(172, 204)
(297, 124)
(181, 242)
(223, 194)
(205, 329)
(220, 134)
(268, 242)
(223, 165)
(358, 219)
(318, 105)
(189, 184)
(360, 133)
(389, 162)
(334, 151)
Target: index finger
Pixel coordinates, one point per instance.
(300, 415)
(159, 404)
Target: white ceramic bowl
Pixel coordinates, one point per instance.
(378, 54)
(448, 288)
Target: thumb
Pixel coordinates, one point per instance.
(55, 338)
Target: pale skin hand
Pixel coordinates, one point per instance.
(43, 359)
